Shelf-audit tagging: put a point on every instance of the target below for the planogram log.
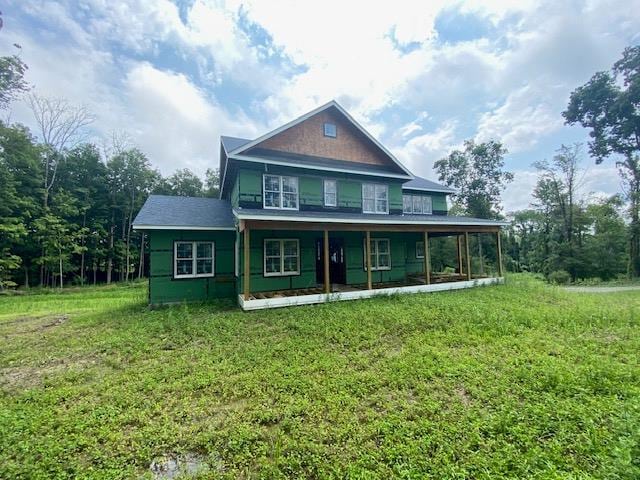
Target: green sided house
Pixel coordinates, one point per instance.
(313, 211)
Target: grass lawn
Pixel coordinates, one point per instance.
(521, 380)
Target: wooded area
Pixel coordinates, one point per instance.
(66, 205)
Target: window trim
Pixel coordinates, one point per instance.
(375, 212)
(281, 273)
(194, 259)
(420, 242)
(324, 130)
(422, 200)
(281, 192)
(364, 255)
(324, 192)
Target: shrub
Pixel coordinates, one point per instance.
(559, 277)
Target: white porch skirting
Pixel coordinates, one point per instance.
(260, 304)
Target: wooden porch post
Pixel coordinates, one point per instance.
(327, 281)
(427, 259)
(468, 257)
(368, 255)
(499, 243)
(459, 251)
(247, 264)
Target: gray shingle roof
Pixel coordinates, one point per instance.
(329, 217)
(173, 212)
(420, 183)
(231, 143)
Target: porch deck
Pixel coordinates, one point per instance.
(314, 295)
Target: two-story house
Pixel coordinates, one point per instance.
(315, 210)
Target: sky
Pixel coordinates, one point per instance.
(421, 76)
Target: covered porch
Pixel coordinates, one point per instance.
(349, 260)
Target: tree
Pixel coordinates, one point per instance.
(183, 183)
(60, 126)
(12, 83)
(477, 173)
(212, 183)
(611, 111)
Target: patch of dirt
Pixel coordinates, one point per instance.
(463, 396)
(171, 466)
(29, 376)
(30, 324)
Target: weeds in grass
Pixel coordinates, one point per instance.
(521, 380)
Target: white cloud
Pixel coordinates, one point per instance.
(422, 151)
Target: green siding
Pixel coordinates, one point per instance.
(235, 192)
(439, 201)
(310, 185)
(164, 289)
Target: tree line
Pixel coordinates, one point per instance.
(67, 205)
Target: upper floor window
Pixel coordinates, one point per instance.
(417, 204)
(330, 130)
(280, 192)
(375, 198)
(330, 193)
(193, 259)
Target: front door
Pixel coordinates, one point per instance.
(337, 261)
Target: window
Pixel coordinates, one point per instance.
(419, 249)
(375, 198)
(330, 193)
(380, 254)
(417, 204)
(330, 130)
(193, 259)
(281, 257)
(280, 192)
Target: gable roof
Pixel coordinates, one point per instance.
(420, 183)
(243, 148)
(232, 143)
(184, 213)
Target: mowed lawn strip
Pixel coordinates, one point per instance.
(520, 380)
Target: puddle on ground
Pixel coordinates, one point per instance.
(175, 466)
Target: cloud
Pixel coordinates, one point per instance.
(422, 151)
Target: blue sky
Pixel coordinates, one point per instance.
(420, 76)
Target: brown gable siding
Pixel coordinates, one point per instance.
(307, 138)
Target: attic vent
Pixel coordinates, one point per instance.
(330, 130)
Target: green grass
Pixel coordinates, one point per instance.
(522, 380)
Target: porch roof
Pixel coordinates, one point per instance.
(363, 218)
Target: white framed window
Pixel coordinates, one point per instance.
(427, 205)
(419, 249)
(280, 192)
(380, 254)
(330, 130)
(330, 193)
(417, 204)
(375, 198)
(281, 257)
(193, 259)
(407, 205)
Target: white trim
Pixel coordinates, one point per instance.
(364, 254)
(375, 198)
(260, 304)
(281, 273)
(324, 192)
(307, 115)
(367, 221)
(180, 227)
(194, 259)
(246, 158)
(281, 192)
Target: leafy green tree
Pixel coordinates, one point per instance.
(183, 183)
(477, 173)
(212, 182)
(609, 106)
(12, 82)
